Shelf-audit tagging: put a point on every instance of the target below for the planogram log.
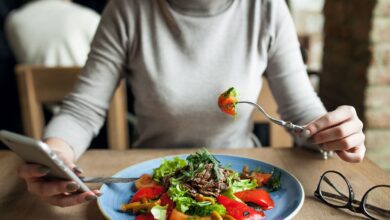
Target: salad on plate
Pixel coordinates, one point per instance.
(199, 187)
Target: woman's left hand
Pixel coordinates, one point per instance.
(341, 131)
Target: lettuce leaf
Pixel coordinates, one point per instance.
(242, 185)
(188, 205)
(159, 212)
(229, 193)
(203, 209)
(168, 167)
(179, 195)
(239, 185)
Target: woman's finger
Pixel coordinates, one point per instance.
(78, 171)
(341, 114)
(47, 188)
(353, 155)
(27, 171)
(345, 143)
(338, 132)
(73, 199)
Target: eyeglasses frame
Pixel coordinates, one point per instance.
(361, 208)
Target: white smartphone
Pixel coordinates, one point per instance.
(35, 151)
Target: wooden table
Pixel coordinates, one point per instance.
(16, 203)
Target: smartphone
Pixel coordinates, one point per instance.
(35, 151)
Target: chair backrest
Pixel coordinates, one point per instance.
(278, 136)
(42, 85)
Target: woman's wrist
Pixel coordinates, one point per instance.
(60, 146)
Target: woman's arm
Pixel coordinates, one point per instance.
(340, 130)
(84, 109)
(286, 71)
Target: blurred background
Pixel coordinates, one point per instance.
(345, 43)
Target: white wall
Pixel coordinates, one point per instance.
(307, 5)
(309, 21)
(307, 15)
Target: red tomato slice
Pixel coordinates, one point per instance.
(261, 178)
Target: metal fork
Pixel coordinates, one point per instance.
(288, 125)
(107, 180)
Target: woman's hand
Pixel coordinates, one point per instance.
(341, 131)
(56, 192)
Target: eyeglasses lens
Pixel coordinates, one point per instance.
(378, 202)
(334, 189)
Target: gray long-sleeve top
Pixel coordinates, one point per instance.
(176, 79)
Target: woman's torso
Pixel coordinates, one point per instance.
(177, 79)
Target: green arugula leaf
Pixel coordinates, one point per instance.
(274, 183)
(198, 160)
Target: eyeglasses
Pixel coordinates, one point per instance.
(334, 190)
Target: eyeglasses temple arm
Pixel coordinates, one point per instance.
(384, 212)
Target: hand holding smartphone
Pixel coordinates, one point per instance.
(35, 151)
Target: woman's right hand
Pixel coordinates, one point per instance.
(56, 192)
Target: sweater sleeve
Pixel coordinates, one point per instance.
(286, 72)
(84, 109)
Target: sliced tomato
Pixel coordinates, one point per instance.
(259, 197)
(239, 210)
(227, 101)
(261, 178)
(144, 217)
(152, 192)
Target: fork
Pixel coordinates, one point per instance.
(289, 126)
(107, 180)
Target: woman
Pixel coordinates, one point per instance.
(179, 56)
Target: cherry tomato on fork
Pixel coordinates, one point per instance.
(227, 101)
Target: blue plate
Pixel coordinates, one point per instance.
(288, 200)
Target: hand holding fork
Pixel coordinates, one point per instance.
(339, 131)
(289, 126)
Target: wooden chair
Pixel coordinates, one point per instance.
(41, 85)
(278, 136)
